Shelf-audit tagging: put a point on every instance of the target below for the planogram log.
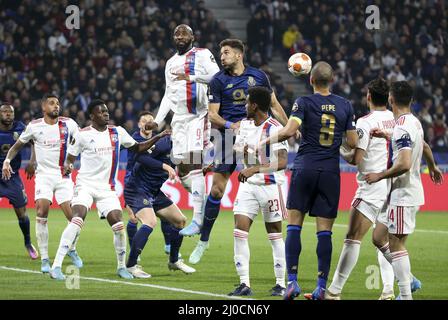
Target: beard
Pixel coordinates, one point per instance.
(183, 47)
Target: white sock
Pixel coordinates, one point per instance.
(69, 235)
(42, 237)
(386, 252)
(402, 270)
(242, 255)
(387, 273)
(347, 261)
(120, 244)
(278, 253)
(73, 246)
(195, 183)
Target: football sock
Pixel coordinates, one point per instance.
(347, 261)
(167, 228)
(293, 247)
(387, 273)
(386, 252)
(131, 229)
(176, 242)
(278, 254)
(323, 250)
(120, 243)
(138, 244)
(211, 213)
(198, 195)
(42, 237)
(402, 270)
(24, 224)
(67, 238)
(241, 255)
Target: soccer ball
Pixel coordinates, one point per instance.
(299, 63)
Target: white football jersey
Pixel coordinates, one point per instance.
(378, 154)
(251, 135)
(100, 154)
(187, 97)
(407, 189)
(50, 143)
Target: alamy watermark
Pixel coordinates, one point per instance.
(373, 21)
(73, 20)
(72, 280)
(374, 277)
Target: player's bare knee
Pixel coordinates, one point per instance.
(217, 191)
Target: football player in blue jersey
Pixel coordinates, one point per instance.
(323, 118)
(228, 92)
(13, 189)
(145, 199)
(140, 135)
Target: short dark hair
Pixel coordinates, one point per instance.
(379, 91)
(233, 43)
(402, 92)
(261, 96)
(322, 74)
(93, 104)
(145, 113)
(48, 96)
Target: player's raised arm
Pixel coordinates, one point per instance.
(434, 171)
(144, 146)
(277, 110)
(210, 66)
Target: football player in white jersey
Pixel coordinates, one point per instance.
(99, 147)
(187, 74)
(260, 189)
(406, 195)
(51, 136)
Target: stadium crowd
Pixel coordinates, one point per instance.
(411, 44)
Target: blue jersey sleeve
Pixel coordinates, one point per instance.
(215, 90)
(148, 161)
(298, 110)
(350, 125)
(265, 81)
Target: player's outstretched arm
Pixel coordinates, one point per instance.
(280, 164)
(7, 169)
(284, 133)
(144, 146)
(434, 171)
(277, 110)
(217, 120)
(400, 166)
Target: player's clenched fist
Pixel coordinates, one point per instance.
(379, 133)
(246, 174)
(68, 168)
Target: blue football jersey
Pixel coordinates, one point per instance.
(149, 179)
(231, 91)
(324, 119)
(7, 140)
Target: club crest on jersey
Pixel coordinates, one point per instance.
(251, 81)
(64, 131)
(114, 137)
(360, 133)
(145, 202)
(295, 107)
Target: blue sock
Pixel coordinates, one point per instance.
(131, 229)
(293, 247)
(167, 228)
(24, 224)
(210, 214)
(324, 249)
(176, 242)
(138, 244)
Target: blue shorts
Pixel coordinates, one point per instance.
(314, 192)
(225, 160)
(14, 191)
(137, 200)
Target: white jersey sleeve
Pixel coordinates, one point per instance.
(125, 138)
(73, 128)
(363, 130)
(76, 145)
(402, 138)
(28, 134)
(278, 145)
(208, 62)
(165, 104)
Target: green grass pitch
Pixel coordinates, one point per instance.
(428, 248)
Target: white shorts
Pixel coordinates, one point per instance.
(269, 198)
(401, 220)
(191, 133)
(105, 200)
(47, 186)
(371, 209)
